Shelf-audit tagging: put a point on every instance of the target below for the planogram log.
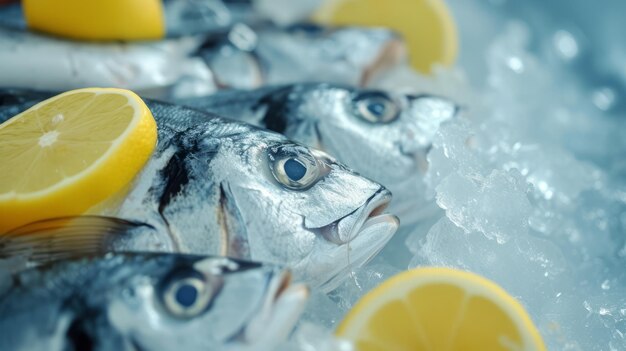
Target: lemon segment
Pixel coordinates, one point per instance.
(426, 25)
(71, 152)
(439, 309)
(97, 19)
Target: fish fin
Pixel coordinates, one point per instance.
(62, 238)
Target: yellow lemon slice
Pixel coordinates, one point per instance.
(69, 153)
(97, 19)
(426, 25)
(439, 309)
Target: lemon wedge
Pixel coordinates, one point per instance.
(439, 309)
(426, 25)
(69, 153)
(97, 19)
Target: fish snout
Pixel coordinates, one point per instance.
(372, 212)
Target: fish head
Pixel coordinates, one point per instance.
(372, 51)
(202, 303)
(349, 55)
(301, 208)
(382, 135)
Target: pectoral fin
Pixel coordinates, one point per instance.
(62, 238)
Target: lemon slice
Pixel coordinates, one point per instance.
(426, 25)
(69, 153)
(439, 309)
(97, 19)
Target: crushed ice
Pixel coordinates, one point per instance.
(531, 190)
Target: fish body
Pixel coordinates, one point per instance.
(147, 301)
(247, 59)
(381, 135)
(199, 65)
(222, 187)
(34, 61)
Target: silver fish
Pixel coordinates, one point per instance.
(200, 65)
(382, 135)
(268, 198)
(33, 61)
(246, 59)
(143, 301)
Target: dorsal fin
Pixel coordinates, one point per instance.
(62, 238)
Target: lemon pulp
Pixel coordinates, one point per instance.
(439, 309)
(69, 153)
(97, 19)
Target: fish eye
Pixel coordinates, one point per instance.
(189, 295)
(375, 107)
(294, 167)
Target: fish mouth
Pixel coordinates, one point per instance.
(355, 239)
(350, 226)
(279, 313)
(358, 252)
(393, 53)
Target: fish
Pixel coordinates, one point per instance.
(200, 65)
(224, 187)
(35, 61)
(247, 59)
(382, 135)
(149, 301)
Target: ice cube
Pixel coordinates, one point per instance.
(311, 337)
(531, 269)
(496, 205)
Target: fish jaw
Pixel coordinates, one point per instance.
(329, 265)
(348, 227)
(279, 314)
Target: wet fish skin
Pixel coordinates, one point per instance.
(247, 59)
(390, 149)
(199, 65)
(34, 61)
(211, 188)
(144, 301)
